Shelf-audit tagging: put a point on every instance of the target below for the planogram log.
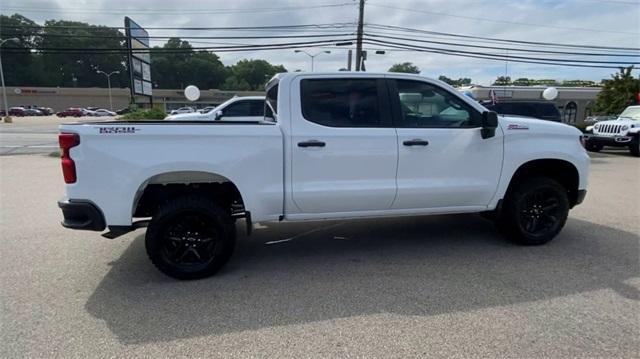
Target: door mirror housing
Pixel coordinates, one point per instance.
(489, 124)
(217, 115)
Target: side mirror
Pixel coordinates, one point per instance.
(489, 124)
(217, 116)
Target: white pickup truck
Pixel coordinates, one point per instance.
(330, 145)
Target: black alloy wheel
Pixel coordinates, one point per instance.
(190, 237)
(534, 211)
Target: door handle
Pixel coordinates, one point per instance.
(311, 143)
(415, 142)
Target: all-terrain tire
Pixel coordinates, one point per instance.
(534, 211)
(190, 238)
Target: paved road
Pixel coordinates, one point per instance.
(445, 286)
(30, 135)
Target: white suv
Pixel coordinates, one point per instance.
(621, 132)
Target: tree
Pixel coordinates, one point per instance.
(254, 73)
(406, 67)
(502, 81)
(619, 92)
(79, 68)
(463, 81)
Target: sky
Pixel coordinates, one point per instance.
(592, 22)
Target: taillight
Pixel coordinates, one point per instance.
(67, 141)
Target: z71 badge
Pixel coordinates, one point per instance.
(118, 130)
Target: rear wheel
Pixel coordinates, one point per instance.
(535, 211)
(190, 238)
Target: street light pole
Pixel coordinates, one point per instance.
(4, 90)
(108, 75)
(312, 56)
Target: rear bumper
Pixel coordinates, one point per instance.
(617, 141)
(81, 214)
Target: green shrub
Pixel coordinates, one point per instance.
(142, 114)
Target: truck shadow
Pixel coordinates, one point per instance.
(419, 266)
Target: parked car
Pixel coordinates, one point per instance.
(206, 109)
(247, 108)
(332, 146)
(87, 112)
(101, 112)
(183, 110)
(32, 112)
(535, 109)
(46, 111)
(123, 111)
(71, 112)
(17, 111)
(624, 131)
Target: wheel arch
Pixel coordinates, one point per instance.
(161, 187)
(563, 171)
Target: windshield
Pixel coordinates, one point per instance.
(631, 113)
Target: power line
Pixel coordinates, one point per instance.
(413, 10)
(503, 48)
(174, 11)
(503, 57)
(232, 28)
(495, 58)
(411, 30)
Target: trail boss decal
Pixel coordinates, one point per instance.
(515, 126)
(117, 130)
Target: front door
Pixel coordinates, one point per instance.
(344, 150)
(443, 162)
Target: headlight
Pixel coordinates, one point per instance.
(597, 127)
(625, 127)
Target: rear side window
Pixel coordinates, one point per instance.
(341, 102)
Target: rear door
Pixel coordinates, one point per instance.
(443, 162)
(343, 148)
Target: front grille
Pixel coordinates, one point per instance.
(609, 128)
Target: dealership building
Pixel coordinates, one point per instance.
(574, 103)
(61, 98)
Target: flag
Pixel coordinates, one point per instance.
(493, 97)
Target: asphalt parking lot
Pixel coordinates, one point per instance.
(444, 286)
(35, 134)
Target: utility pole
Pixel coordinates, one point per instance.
(359, 36)
(7, 118)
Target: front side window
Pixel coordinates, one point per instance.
(341, 102)
(426, 105)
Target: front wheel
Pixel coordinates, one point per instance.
(635, 148)
(592, 147)
(535, 211)
(190, 238)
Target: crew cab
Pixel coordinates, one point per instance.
(329, 146)
(245, 108)
(624, 131)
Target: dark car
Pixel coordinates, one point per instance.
(72, 112)
(32, 112)
(537, 109)
(17, 111)
(123, 111)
